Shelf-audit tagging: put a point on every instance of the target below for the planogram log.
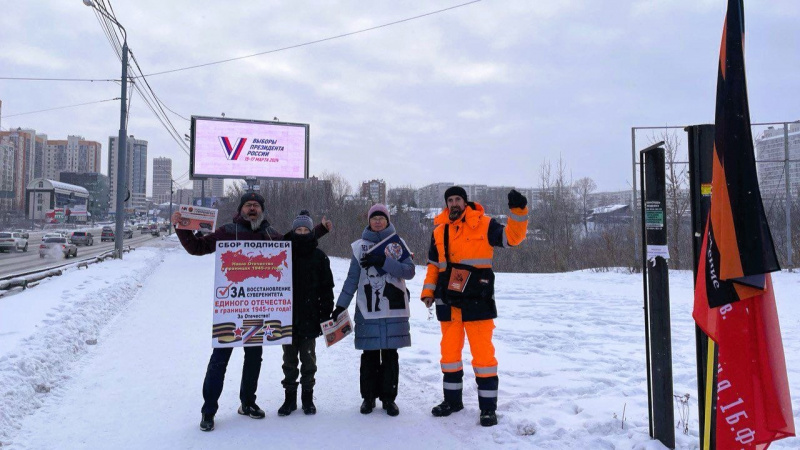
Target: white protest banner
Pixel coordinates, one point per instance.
(252, 294)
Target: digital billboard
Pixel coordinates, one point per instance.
(241, 148)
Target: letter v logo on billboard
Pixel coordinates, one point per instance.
(232, 152)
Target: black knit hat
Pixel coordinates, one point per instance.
(455, 190)
(251, 196)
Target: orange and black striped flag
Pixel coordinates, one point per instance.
(747, 402)
(739, 251)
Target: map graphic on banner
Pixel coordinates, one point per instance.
(252, 294)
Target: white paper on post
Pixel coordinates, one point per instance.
(252, 294)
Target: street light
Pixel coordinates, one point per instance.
(122, 142)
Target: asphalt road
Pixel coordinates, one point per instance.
(20, 262)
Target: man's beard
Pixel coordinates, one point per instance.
(255, 222)
(455, 213)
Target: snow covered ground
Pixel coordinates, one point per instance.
(113, 356)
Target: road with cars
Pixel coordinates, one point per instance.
(19, 262)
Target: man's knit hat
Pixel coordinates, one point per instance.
(378, 210)
(251, 196)
(303, 220)
(455, 190)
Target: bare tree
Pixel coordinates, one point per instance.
(341, 187)
(583, 188)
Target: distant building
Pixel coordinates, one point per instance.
(432, 195)
(402, 196)
(770, 146)
(75, 154)
(98, 186)
(53, 201)
(183, 196)
(135, 164)
(6, 174)
(23, 143)
(162, 174)
(375, 190)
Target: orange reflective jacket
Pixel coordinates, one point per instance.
(471, 240)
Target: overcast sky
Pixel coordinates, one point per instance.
(484, 93)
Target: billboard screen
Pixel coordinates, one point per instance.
(241, 148)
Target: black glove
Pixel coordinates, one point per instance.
(336, 311)
(516, 200)
(372, 259)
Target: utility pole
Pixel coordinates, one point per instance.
(171, 191)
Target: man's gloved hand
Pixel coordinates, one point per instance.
(516, 200)
(373, 260)
(336, 311)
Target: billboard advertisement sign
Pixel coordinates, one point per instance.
(241, 148)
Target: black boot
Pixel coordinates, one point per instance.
(488, 418)
(290, 404)
(391, 408)
(207, 422)
(367, 405)
(446, 408)
(307, 397)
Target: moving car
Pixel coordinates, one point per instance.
(154, 230)
(57, 245)
(82, 238)
(23, 233)
(127, 232)
(11, 240)
(107, 234)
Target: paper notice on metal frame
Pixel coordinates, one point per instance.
(252, 294)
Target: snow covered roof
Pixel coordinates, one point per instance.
(608, 209)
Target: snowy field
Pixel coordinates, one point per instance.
(114, 356)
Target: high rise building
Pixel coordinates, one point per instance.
(135, 163)
(6, 173)
(23, 143)
(771, 146)
(162, 174)
(375, 190)
(75, 154)
(183, 196)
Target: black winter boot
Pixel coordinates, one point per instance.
(367, 405)
(307, 397)
(290, 404)
(207, 422)
(446, 408)
(391, 408)
(488, 418)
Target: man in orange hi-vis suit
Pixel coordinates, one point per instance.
(460, 281)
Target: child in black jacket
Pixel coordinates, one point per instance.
(312, 304)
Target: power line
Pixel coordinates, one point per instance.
(408, 19)
(57, 79)
(60, 107)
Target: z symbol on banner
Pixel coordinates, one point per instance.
(232, 152)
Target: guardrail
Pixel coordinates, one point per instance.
(32, 278)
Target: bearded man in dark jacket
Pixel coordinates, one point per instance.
(312, 304)
(249, 224)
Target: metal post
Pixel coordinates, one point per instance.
(657, 310)
(122, 147)
(701, 144)
(633, 191)
(788, 197)
(169, 225)
(203, 193)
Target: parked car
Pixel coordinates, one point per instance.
(57, 245)
(82, 238)
(23, 233)
(127, 233)
(12, 241)
(107, 234)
